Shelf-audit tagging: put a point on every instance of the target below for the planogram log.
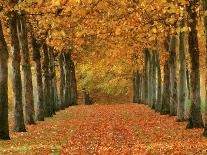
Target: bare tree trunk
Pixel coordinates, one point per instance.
(4, 125)
(188, 82)
(52, 74)
(27, 73)
(67, 70)
(205, 26)
(146, 76)
(195, 119)
(173, 78)
(62, 80)
(134, 87)
(159, 83)
(150, 83)
(38, 68)
(19, 125)
(181, 109)
(154, 82)
(74, 94)
(165, 107)
(47, 83)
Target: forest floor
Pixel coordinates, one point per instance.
(107, 130)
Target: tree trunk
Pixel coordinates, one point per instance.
(134, 88)
(150, 83)
(52, 74)
(74, 94)
(159, 83)
(67, 70)
(150, 88)
(62, 81)
(87, 98)
(146, 76)
(188, 81)
(165, 107)
(4, 125)
(195, 119)
(38, 68)
(19, 125)
(173, 78)
(181, 109)
(47, 83)
(27, 73)
(153, 81)
(205, 26)
(56, 97)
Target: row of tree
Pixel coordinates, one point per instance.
(169, 96)
(49, 99)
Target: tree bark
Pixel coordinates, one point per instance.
(159, 83)
(62, 81)
(52, 75)
(19, 125)
(27, 73)
(165, 107)
(74, 94)
(153, 80)
(67, 70)
(150, 83)
(47, 83)
(195, 119)
(146, 75)
(181, 109)
(38, 68)
(205, 26)
(4, 125)
(134, 87)
(173, 78)
(188, 82)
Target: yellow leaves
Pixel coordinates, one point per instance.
(118, 31)
(205, 13)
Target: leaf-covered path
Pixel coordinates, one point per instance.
(107, 130)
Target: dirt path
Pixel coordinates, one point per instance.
(107, 130)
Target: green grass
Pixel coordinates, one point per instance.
(138, 131)
(188, 103)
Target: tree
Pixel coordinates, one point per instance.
(19, 125)
(4, 125)
(181, 108)
(205, 26)
(36, 45)
(173, 78)
(62, 80)
(27, 73)
(46, 83)
(195, 118)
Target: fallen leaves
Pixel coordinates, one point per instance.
(107, 130)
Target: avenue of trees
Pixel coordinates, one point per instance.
(113, 42)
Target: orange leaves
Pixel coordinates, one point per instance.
(107, 130)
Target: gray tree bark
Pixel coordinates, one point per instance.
(62, 80)
(74, 94)
(146, 75)
(165, 106)
(46, 83)
(159, 83)
(4, 124)
(195, 119)
(36, 45)
(67, 70)
(27, 73)
(205, 26)
(181, 108)
(173, 78)
(19, 125)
